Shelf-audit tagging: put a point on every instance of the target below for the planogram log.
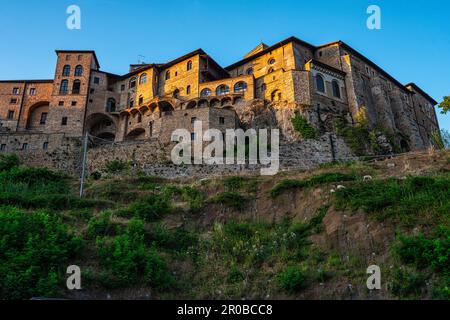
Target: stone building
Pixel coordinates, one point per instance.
(270, 83)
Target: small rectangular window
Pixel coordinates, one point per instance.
(193, 136)
(25, 146)
(13, 101)
(61, 103)
(3, 147)
(16, 91)
(10, 115)
(74, 103)
(32, 91)
(122, 87)
(45, 146)
(91, 91)
(221, 120)
(96, 80)
(43, 118)
(64, 121)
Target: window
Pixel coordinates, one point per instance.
(240, 87)
(221, 120)
(141, 100)
(111, 105)
(271, 70)
(188, 90)
(92, 91)
(222, 90)
(68, 57)
(176, 94)
(143, 79)
(76, 87)
(25, 146)
(66, 71)
(13, 101)
(61, 103)
(151, 128)
(3, 147)
(320, 84)
(336, 89)
(10, 115)
(122, 87)
(64, 121)
(43, 118)
(249, 71)
(132, 83)
(276, 96)
(64, 88)
(189, 65)
(16, 91)
(271, 61)
(168, 75)
(193, 136)
(131, 104)
(139, 119)
(74, 103)
(45, 146)
(78, 71)
(32, 91)
(205, 92)
(193, 119)
(96, 80)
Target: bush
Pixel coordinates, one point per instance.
(35, 249)
(302, 126)
(151, 208)
(116, 166)
(101, 226)
(234, 183)
(407, 284)
(9, 161)
(292, 280)
(232, 199)
(127, 260)
(176, 240)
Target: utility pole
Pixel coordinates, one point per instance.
(84, 160)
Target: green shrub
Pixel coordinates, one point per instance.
(194, 197)
(35, 249)
(151, 208)
(176, 240)
(116, 166)
(324, 178)
(127, 261)
(8, 162)
(407, 284)
(302, 126)
(292, 280)
(231, 199)
(101, 226)
(234, 183)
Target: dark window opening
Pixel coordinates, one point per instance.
(222, 120)
(10, 115)
(43, 118)
(66, 71)
(45, 146)
(64, 121)
(64, 88)
(76, 87)
(78, 71)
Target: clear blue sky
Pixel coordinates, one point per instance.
(413, 45)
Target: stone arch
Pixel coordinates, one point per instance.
(101, 126)
(191, 105)
(215, 103)
(226, 101)
(166, 108)
(136, 135)
(203, 103)
(37, 115)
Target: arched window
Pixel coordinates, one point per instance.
(336, 89)
(167, 74)
(111, 105)
(64, 88)
(76, 87)
(189, 65)
(143, 79)
(188, 90)
(66, 71)
(205, 93)
(249, 71)
(176, 94)
(78, 71)
(222, 90)
(132, 82)
(240, 87)
(276, 96)
(320, 83)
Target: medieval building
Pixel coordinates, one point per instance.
(153, 100)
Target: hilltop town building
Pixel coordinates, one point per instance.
(153, 100)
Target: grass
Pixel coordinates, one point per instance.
(325, 178)
(231, 199)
